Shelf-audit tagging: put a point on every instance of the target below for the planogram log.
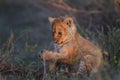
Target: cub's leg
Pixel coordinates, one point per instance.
(87, 64)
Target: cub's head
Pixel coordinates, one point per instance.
(63, 29)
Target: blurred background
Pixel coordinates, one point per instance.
(25, 30)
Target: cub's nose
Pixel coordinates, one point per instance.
(55, 40)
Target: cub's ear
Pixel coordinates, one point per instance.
(51, 19)
(68, 21)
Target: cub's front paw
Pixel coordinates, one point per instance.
(45, 55)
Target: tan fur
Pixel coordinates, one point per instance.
(72, 45)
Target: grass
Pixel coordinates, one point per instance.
(24, 63)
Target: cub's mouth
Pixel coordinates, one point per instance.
(62, 41)
(58, 41)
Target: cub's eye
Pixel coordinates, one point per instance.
(67, 23)
(59, 33)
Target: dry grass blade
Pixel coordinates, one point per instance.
(8, 49)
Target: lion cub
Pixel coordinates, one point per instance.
(71, 48)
